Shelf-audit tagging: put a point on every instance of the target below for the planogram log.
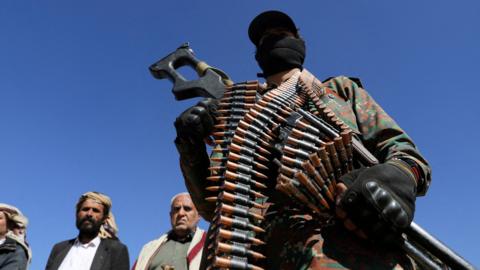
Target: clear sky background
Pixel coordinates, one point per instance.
(79, 110)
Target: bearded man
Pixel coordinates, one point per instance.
(97, 245)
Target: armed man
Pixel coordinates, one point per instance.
(372, 205)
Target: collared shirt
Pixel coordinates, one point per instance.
(2, 240)
(80, 256)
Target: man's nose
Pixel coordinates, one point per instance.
(182, 212)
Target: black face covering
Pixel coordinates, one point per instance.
(278, 53)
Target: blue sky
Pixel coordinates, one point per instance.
(79, 110)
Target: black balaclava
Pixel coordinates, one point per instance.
(276, 53)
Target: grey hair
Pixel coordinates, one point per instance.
(178, 195)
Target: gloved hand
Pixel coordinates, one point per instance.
(196, 123)
(193, 126)
(380, 200)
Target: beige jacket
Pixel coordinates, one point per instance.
(194, 253)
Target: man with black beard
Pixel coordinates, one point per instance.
(97, 245)
(372, 204)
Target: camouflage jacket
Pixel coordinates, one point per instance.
(310, 245)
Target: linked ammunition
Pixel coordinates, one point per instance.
(295, 152)
(256, 115)
(302, 144)
(242, 86)
(267, 112)
(325, 186)
(236, 188)
(288, 183)
(301, 135)
(347, 142)
(267, 127)
(251, 144)
(334, 158)
(320, 124)
(238, 211)
(230, 118)
(275, 107)
(252, 136)
(234, 105)
(244, 159)
(322, 153)
(225, 126)
(241, 92)
(286, 170)
(232, 111)
(241, 224)
(241, 132)
(238, 250)
(245, 169)
(238, 98)
(278, 98)
(240, 150)
(232, 263)
(275, 103)
(239, 236)
(319, 167)
(237, 177)
(235, 198)
(248, 127)
(342, 153)
(306, 181)
(291, 161)
(245, 150)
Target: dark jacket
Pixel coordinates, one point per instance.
(110, 255)
(12, 256)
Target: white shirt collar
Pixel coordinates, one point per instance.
(94, 243)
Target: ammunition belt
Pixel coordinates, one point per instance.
(316, 151)
(244, 135)
(248, 127)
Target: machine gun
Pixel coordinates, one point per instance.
(424, 248)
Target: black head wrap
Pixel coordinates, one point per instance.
(276, 53)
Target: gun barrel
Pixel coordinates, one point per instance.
(435, 247)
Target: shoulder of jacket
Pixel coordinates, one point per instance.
(343, 85)
(116, 243)
(155, 241)
(64, 243)
(9, 245)
(343, 80)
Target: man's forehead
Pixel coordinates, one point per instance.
(92, 203)
(182, 200)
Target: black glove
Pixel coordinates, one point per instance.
(380, 200)
(193, 125)
(196, 123)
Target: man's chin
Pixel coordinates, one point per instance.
(181, 227)
(89, 229)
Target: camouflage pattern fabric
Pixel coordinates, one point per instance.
(380, 134)
(294, 239)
